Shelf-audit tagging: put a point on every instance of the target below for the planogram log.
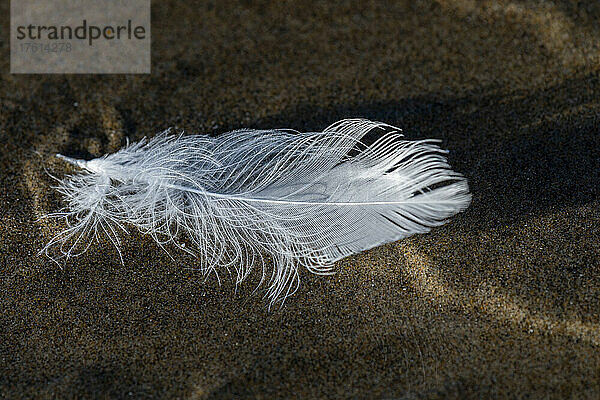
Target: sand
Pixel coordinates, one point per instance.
(502, 302)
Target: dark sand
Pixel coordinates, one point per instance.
(502, 302)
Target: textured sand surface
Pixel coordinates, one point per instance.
(503, 302)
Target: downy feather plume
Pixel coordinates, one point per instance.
(247, 196)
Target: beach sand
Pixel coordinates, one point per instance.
(502, 302)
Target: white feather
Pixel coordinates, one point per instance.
(304, 199)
